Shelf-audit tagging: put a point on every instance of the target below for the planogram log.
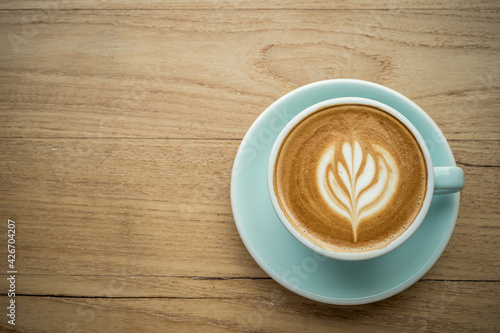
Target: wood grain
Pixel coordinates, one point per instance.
(220, 5)
(203, 74)
(426, 307)
(120, 121)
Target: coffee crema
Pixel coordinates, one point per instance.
(350, 178)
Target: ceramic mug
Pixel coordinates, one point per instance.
(443, 180)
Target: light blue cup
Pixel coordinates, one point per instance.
(297, 267)
(440, 180)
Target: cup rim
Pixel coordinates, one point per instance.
(351, 256)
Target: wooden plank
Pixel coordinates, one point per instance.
(152, 207)
(434, 306)
(476, 153)
(123, 206)
(220, 5)
(141, 286)
(209, 74)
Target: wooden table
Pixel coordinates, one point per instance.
(119, 124)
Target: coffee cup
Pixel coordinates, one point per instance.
(352, 178)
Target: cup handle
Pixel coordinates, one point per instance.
(448, 179)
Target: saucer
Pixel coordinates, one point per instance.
(296, 267)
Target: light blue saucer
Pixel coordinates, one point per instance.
(292, 264)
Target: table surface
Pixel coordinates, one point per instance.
(119, 124)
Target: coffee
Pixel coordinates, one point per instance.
(350, 178)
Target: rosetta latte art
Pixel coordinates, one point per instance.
(357, 184)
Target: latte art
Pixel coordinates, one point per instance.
(357, 185)
(350, 178)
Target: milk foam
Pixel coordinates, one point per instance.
(350, 178)
(355, 183)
